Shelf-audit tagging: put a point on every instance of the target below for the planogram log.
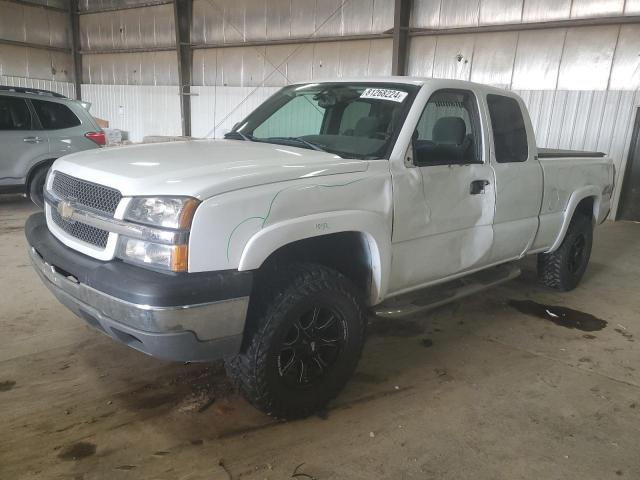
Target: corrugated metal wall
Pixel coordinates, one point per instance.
(137, 110)
(65, 88)
(469, 13)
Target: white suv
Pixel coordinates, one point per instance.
(37, 127)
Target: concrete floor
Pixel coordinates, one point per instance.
(497, 395)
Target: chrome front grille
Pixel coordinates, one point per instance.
(88, 194)
(84, 194)
(84, 233)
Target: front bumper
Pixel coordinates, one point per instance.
(183, 317)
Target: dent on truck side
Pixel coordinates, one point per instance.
(241, 229)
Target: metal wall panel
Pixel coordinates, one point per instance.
(256, 65)
(425, 13)
(596, 8)
(23, 23)
(459, 13)
(135, 28)
(545, 10)
(17, 61)
(51, 3)
(625, 73)
(152, 68)
(587, 58)
(454, 55)
(632, 7)
(538, 59)
(493, 58)
(137, 110)
(84, 5)
(500, 11)
(65, 88)
(234, 21)
(422, 52)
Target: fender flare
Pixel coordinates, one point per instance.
(36, 166)
(590, 191)
(373, 226)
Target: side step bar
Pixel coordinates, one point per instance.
(432, 297)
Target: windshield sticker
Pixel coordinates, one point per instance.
(384, 94)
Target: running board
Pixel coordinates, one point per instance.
(432, 297)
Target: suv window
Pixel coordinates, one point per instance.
(509, 131)
(54, 116)
(14, 114)
(449, 130)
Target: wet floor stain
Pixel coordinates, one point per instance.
(394, 327)
(78, 451)
(426, 342)
(125, 467)
(562, 316)
(7, 385)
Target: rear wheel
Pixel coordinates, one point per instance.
(36, 186)
(563, 269)
(304, 342)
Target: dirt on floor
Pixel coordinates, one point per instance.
(508, 384)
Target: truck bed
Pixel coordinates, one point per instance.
(559, 153)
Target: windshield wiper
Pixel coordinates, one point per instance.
(247, 138)
(311, 145)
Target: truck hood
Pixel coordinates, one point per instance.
(202, 168)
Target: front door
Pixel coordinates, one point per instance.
(444, 206)
(20, 143)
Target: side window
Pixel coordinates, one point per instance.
(448, 131)
(14, 114)
(54, 116)
(300, 116)
(509, 132)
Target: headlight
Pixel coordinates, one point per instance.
(167, 212)
(155, 255)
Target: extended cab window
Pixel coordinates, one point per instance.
(54, 116)
(509, 131)
(448, 131)
(14, 114)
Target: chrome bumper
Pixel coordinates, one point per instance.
(200, 332)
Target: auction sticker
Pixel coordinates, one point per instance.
(384, 94)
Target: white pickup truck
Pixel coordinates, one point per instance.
(330, 199)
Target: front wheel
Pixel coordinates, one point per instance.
(304, 342)
(36, 186)
(563, 269)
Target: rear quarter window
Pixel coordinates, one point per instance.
(55, 116)
(509, 131)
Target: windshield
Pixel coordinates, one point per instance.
(350, 120)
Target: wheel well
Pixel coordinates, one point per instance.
(586, 207)
(38, 166)
(345, 252)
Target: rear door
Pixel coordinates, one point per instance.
(21, 145)
(518, 177)
(64, 129)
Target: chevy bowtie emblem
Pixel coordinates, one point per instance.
(65, 210)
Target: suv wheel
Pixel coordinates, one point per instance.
(303, 343)
(36, 186)
(564, 268)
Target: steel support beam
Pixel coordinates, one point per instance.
(76, 57)
(401, 17)
(517, 27)
(51, 48)
(182, 10)
(37, 5)
(125, 7)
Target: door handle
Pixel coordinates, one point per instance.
(33, 140)
(477, 186)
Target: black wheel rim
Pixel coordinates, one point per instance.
(311, 347)
(577, 253)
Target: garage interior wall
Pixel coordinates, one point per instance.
(576, 63)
